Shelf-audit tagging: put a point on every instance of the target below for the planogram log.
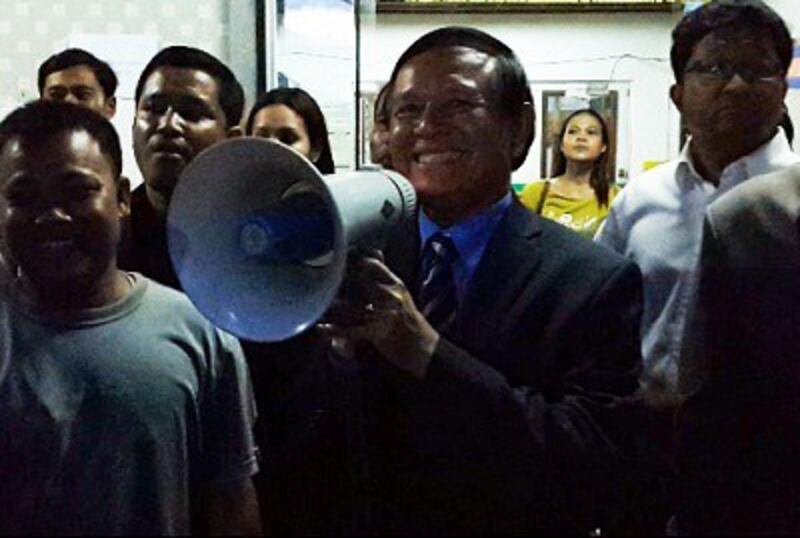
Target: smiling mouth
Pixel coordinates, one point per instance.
(55, 247)
(437, 158)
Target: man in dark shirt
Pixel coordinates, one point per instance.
(186, 101)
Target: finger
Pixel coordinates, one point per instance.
(346, 313)
(388, 296)
(374, 269)
(357, 253)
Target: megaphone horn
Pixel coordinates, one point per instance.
(259, 238)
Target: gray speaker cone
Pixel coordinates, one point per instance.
(255, 239)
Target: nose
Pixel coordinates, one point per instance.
(429, 123)
(53, 214)
(169, 122)
(736, 83)
(70, 98)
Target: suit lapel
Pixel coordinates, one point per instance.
(402, 254)
(507, 265)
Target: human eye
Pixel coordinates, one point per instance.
(84, 94)
(459, 106)
(721, 71)
(288, 137)
(19, 194)
(766, 72)
(193, 112)
(408, 110)
(57, 93)
(154, 105)
(80, 187)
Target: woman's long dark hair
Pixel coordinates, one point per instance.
(308, 109)
(599, 181)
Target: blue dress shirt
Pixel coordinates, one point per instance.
(470, 238)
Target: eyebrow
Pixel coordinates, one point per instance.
(179, 99)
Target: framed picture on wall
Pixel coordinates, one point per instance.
(556, 100)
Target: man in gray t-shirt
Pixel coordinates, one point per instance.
(122, 410)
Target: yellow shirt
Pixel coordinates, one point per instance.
(581, 215)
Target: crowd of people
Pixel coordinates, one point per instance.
(581, 359)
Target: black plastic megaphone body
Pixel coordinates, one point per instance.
(259, 238)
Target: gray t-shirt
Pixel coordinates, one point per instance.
(112, 421)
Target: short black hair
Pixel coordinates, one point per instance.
(231, 94)
(729, 15)
(72, 57)
(381, 110)
(41, 120)
(511, 82)
(307, 108)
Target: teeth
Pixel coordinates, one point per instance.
(437, 158)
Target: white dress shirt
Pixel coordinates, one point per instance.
(657, 221)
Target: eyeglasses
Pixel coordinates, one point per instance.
(717, 73)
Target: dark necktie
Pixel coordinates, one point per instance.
(437, 296)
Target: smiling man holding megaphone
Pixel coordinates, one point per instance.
(491, 357)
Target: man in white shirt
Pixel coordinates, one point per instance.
(730, 59)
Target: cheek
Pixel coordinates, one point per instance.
(303, 147)
(202, 137)
(399, 145)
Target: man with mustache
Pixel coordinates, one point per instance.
(730, 59)
(186, 101)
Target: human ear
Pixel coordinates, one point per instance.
(124, 197)
(676, 94)
(524, 130)
(111, 107)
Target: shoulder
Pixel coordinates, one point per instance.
(171, 312)
(650, 186)
(766, 201)
(532, 192)
(564, 251)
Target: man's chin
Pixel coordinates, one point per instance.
(164, 175)
(55, 277)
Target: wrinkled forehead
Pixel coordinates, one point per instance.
(443, 69)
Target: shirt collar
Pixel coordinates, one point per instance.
(770, 155)
(471, 235)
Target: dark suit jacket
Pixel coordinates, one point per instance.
(740, 433)
(527, 420)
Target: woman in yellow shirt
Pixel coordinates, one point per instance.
(579, 193)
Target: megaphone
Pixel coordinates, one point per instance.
(259, 238)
